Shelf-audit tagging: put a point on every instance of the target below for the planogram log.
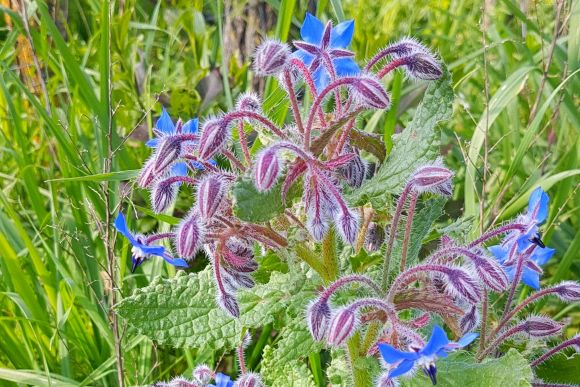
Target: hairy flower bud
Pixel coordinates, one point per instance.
(568, 291)
(460, 283)
(271, 58)
(249, 102)
(375, 237)
(342, 326)
(211, 191)
(239, 254)
(249, 379)
(347, 225)
(354, 171)
(433, 178)
(423, 65)
(177, 382)
(147, 174)
(539, 326)
(405, 47)
(228, 303)
(318, 318)
(203, 374)
(267, 169)
(163, 195)
(167, 153)
(235, 279)
(369, 92)
(189, 236)
(469, 320)
(214, 136)
(489, 271)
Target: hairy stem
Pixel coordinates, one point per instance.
(408, 226)
(293, 101)
(563, 345)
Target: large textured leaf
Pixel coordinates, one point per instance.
(278, 374)
(181, 312)
(416, 145)
(560, 369)
(461, 370)
(253, 206)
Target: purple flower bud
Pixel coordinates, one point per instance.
(147, 174)
(385, 381)
(318, 318)
(189, 236)
(539, 326)
(317, 226)
(249, 379)
(228, 303)
(460, 283)
(433, 178)
(239, 255)
(163, 195)
(235, 279)
(214, 137)
(249, 102)
(167, 153)
(375, 237)
(267, 170)
(354, 171)
(271, 58)
(211, 191)
(405, 47)
(369, 92)
(203, 374)
(347, 225)
(469, 320)
(568, 291)
(177, 382)
(423, 65)
(489, 271)
(342, 326)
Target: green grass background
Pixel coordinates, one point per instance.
(98, 69)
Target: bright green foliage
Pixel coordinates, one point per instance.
(278, 374)
(181, 312)
(253, 206)
(560, 369)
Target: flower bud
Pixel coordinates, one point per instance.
(237, 253)
(568, 291)
(177, 382)
(249, 102)
(369, 92)
(228, 303)
(490, 272)
(163, 195)
(469, 320)
(214, 137)
(318, 318)
(342, 326)
(189, 236)
(423, 65)
(147, 174)
(167, 153)
(317, 226)
(211, 191)
(236, 279)
(203, 374)
(375, 237)
(354, 171)
(461, 283)
(249, 379)
(539, 326)
(433, 178)
(267, 170)
(347, 225)
(405, 47)
(271, 58)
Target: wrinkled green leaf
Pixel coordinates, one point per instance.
(253, 206)
(416, 145)
(294, 374)
(181, 312)
(560, 369)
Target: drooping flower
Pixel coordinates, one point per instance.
(438, 346)
(532, 271)
(142, 249)
(324, 49)
(535, 216)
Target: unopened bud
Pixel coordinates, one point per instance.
(237, 253)
(433, 178)
(210, 194)
(461, 283)
(347, 225)
(317, 226)
(405, 47)
(213, 139)
(236, 279)
(568, 291)
(342, 326)
(539, 326)
(163, 195)
(147, 174)
(271, 58)
(267, 170)
(177, 382)
(490, 272)
(203, 374)
(167, 153)
(369, 92)
(318, 319)
(249, 379)
(423, 65)
(375, 237)
(249, 102)
(229, 303)
(189, 236)
(469, 320)
(354, 171)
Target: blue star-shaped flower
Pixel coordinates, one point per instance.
(324, 48)
(535, 216)
(222, 380)
(438, 346)
(141, 250)
(532, 266)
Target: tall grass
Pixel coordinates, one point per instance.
(68, 75)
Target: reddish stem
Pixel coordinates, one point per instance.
(244, 143)
(293, 101)
(410, 215)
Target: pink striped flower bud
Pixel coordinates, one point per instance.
(211, 191)
(235, 279)
(213, 139)
(249, 379)
(405, 47)
(354, 171)
(163, 195)
(203, 374)
(347, 225)
(369, 92)
(267, 170)
(568, 291)
(168, 152)
(423, 65)
(342, 326)
(375, 237)
(271, 58)
(460, 283)
(539, 326)
(189, 236)
(147, 174)
(228, 303)
(489, 271)
(249, 102)
(318, 318)
(433, 178)
(469, 320)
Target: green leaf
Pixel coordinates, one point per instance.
(282, 375)
(253, 206)
(560, 369)
(181, 312)
(295, 342)
(416, 145)
(460, 369)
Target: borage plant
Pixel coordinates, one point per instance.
(361, 308)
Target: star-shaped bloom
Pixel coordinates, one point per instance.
(535, 216)
(222, 380)
(532, 266)
(324, 49)
(142, 250)
(438, 346)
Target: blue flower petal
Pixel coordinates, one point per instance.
(531, 278)
(179, 169)
(341, 34)
(178, 262)
(345, 66)
(153, 250)
(222, 380)
(164, 123)
(524, 241)
(437, 341)
(311, 30)
(121, 226)
(538, 205)
(392, 355)
(321, 78)
(542, 256)
(402, 368)
(499, 252)
(467, 339)
(153, 143)
(305, 57)
(190, 126)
